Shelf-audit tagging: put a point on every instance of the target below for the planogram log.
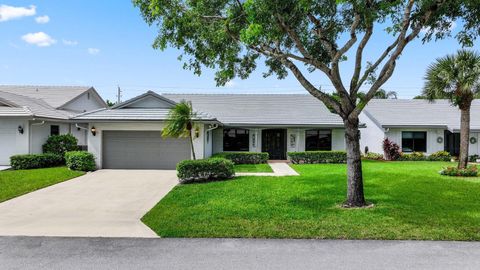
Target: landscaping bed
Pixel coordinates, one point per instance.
(412, 201)
(14, 183)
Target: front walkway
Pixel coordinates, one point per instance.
(279, 169)
(2, 167)
(105, 203)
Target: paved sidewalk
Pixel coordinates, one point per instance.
(132, 253)
(105, 203)
(279, 169)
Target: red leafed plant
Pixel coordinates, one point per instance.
(391, 150)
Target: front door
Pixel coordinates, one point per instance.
(274, 142)
(452, 143)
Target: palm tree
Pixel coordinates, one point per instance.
(383, 94)
(456, 78)
(180, 122)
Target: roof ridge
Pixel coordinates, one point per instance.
(45, 85)
(237, 94)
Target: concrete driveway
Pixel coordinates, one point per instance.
(105, 203)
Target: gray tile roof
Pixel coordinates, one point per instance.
(34, 106)
(55, 96)
(262, 109)
(145, 114)
(419, 113)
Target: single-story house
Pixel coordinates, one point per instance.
(128, 134)
(29, 114)
(417, 126)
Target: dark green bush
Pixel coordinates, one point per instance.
(80, 161)
(373, 156)
(205, 170)
(414, 156)
(60, 144)
(440, 156)
(470, 171)
(244, 157)
(35, 161)
(473, 158)
(312, 157)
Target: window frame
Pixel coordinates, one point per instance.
(236, 144)
(318, 146)
(414, 148)
(52, 133)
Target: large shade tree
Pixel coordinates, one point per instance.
(456, 78)
(303, 37)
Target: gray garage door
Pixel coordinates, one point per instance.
(142, 150)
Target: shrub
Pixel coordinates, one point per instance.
(35, 161)
(391, 150)
(473, 158)
(60, 144)
(470, 171)
(414, 156)
(312, 157)
(373, 156)
(440, 156)
(80, 161)
(204, 170)
(244, 157)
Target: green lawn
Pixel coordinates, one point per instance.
(412, 201)
(253, 168)
(16, 183)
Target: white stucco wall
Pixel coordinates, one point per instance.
(84, 103)
(474, 149)
(95, 142)
(40, 133)
(395, 134)
(11, 141)
(372, 135)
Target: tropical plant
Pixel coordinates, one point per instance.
(308, 36)
(457, 78)
(180, 123)
(384, 94)
(391, 150)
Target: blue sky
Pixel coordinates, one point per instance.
(106, 43)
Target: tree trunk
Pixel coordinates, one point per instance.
(464, 137)
(191, 144)
(355, 196)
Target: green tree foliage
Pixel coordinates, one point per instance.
(307, 36)
(456, 78)
(180, 123)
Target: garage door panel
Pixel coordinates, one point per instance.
(142, 150)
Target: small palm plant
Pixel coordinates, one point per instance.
(456, 78)
(180, 122)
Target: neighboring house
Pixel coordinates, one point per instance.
(128, 134)
(417, 125)
(29, 114)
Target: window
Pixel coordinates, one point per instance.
(414, 141)
(318, 140)
(235, 139)
(54, 130)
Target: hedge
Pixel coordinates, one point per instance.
(205, 170)
(60, 144)
(373, 156)
(35, 161)
(440, 156)
(414, 156)
(80, 161)
(244, 157)
(311, 157)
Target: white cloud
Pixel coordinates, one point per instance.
(42, 19)
(70, 42)
(40, 39)
(93, 51)
(230, 84)
(10, 13)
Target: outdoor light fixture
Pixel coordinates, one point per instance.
(20, 129)
(94, 131)
(197, 132)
